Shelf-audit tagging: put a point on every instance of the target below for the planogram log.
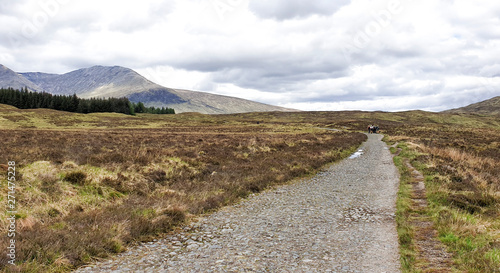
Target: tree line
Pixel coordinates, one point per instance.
(25, 99)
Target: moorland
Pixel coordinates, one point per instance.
(90, 185)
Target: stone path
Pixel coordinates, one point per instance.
(341, 220)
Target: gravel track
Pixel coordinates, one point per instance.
(340, 220)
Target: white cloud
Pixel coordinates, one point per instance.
(177, 78)
(400, 54)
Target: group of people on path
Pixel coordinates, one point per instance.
(373, 129)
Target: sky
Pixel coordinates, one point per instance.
(389, 55)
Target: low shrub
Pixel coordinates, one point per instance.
(76, 177)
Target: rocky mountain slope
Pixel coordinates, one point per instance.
(116, 81)
(487, 107)
(9, 78)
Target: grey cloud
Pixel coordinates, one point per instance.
(11, 7)
(132, 22)
(400, 52)
(129, 25)
(491, 70)
(273, 75)
(162, 9)
(39, 26)
(271, 81)
(289, 9)
(271, 70)
(412, 66)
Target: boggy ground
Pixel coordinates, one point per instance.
(79, 174)
(92, 192)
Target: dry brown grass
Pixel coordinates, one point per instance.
(92, 192)
(146, 174)
(463, 189)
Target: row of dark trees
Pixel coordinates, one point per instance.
(25, 99)
(140, 108)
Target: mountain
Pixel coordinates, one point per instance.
(487, 107)
(96, 81)
(9, 78)
(202, 102)
(116, 81)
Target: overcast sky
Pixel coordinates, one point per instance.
(310, 55)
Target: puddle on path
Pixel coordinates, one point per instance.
(357, 154)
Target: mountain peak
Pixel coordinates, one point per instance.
(106, 67)
(103, 69)
(118, 81)
(9, 78)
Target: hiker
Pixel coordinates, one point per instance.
(370, 128)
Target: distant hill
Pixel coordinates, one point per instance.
(96, 81)
(116, 81)
(487, 107)
(9, 78)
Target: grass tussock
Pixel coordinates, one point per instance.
(96, 183)
(404, 210)
(91, 193)
(463, 189)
